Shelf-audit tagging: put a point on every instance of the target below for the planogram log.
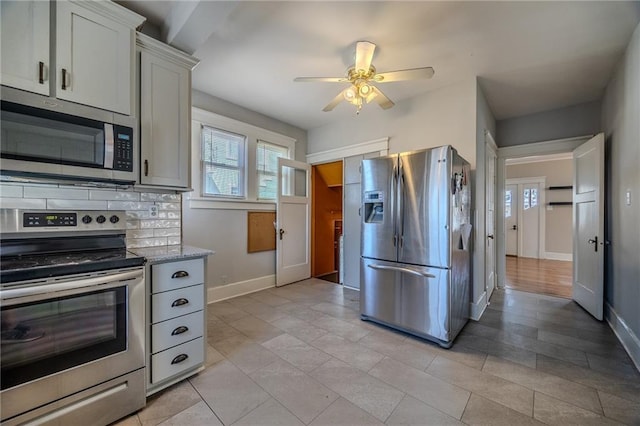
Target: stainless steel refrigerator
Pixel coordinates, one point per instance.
(416, 242)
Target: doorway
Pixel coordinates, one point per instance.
(537, 227)
(326, 219)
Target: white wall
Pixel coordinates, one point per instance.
(621, 123)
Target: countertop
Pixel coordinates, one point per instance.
(167, 253)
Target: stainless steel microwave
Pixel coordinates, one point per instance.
(47, 137)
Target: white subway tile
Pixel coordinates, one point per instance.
(133, 224)
(146, 242)
(104, 194)
(55, 192)
(128, 205)
(140, 233)
(169, 214)
(8, 190)
(169, 206)
(150, 223)
(172, 241)
(76, 204)
(23, 203)
(170, 232)
(152, 196)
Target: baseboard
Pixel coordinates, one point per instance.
(627, 337)
(567, 257)
(223, 292)
(477, 308)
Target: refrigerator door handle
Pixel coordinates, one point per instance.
(401, 203)
(400, 269)
(392, 202)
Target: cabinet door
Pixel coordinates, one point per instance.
(164, 122)
(94, 59)
(25, 45)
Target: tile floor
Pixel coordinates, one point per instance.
(300, 355)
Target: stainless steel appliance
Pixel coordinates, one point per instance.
(72, 318)
(416, 234)
(48, 137)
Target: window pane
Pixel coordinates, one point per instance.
(534, 197)
(525, 199)
(223, 162)
(507, 204)
(267, 168)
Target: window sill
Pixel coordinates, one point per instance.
(220, 204)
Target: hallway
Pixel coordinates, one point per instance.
(541, 276)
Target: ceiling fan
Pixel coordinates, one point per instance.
(361, 75)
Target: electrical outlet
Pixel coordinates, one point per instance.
(153, 211)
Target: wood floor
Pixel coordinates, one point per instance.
(541, 276)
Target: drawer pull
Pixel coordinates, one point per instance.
(180, 274)
(179, 330)
(179, 359)
(179, 302)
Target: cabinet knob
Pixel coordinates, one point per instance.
(180, 274)
(179, 302)
(146, 167)
(179, 359)
(41, 72)
(65, 85)
(179, 330)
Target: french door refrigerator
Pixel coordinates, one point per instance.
(416, 242)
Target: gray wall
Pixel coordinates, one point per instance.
(620, 118)
(577, 120)
(559, 220)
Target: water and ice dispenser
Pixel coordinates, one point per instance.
(373, 207)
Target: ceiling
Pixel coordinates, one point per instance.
(529, 56)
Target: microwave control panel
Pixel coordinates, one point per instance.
(123, 149)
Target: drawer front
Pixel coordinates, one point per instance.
(176, 331)
(171, 304)
(176, 360)
(173, 275)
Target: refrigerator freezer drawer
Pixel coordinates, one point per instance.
(408, 297)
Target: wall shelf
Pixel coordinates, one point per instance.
(553, 188)
(560, 203)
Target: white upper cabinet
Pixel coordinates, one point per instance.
(165, 114)
(25, 45)
(95, 54)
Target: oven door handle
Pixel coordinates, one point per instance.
(68, 287)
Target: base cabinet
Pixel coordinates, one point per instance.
(176, 321)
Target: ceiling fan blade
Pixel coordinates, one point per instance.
(335, 101)
(381, 99)
(411, 74)
(364, 55)
(321, 79)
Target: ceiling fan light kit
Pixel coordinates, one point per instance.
(361, 75)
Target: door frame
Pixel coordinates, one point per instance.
(555, 146)
(542, 223)
(490, 147)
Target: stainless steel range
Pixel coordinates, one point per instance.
(72, 318)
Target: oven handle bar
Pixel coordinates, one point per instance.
(49, 291)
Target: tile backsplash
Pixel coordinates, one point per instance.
(143, 230)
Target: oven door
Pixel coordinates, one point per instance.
(67, 335)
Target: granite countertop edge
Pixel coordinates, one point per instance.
(167, 253)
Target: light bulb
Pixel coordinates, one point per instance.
(364, 90)
(350, 94)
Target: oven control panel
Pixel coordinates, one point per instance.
(46, 219)
(18, 220)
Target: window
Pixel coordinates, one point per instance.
(507, 204)
(267, 168)
(223, 163)
(525, 198)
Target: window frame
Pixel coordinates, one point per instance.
(242, 165)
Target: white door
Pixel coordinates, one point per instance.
(490, 220)
(293, 216)
(529, 220)
(588, 225)
(511, 219)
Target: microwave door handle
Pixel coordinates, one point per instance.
(108, 146)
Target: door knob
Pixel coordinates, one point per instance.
(490, 236)
(514, 227)
(594, 241)
(281, 232)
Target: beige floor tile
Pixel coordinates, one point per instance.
(302, 312)
(552, 411)
(299, 393)
(372, 395)
(226, 311)
(468, 356)
(228, 391)
(445, 397)
(220, 332)
(613, 366)
(489, 386)
(270, 413)
(341, 328)
(344, 413)
(395, 346)
(245, 354)
(553, 350)
(565, 390)
(256, 329)
(263, 311)
(199, 414)
(269, 299)
(296, 352)
(299, 328)
(213, 356)
(168, 402)
(483, 412)
(410, 411)
(131, 420)
(353, 354)
(499, 349)
(620, 409)
(336, 311)
(605, 350)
